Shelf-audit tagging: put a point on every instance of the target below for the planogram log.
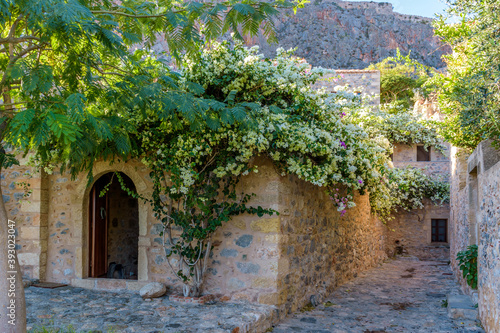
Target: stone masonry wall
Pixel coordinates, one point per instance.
(320, 249)
(475, 217)
(282, 259)
(459, 210)
(411, 231)
(29, 211)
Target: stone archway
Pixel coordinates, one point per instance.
(130, 169)
(114, 228)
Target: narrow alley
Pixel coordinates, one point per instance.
(402, 295)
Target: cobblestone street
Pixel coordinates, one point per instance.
(75, 309)
(399, 296)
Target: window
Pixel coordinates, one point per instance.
(422, 154)
(439, 230)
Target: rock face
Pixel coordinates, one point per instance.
(153, 290)
(351, 35)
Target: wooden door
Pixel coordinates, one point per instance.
(98, 229)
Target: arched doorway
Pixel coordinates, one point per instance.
(113, 229)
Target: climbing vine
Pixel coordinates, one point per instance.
(253, 106)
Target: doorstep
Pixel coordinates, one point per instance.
(109, 284)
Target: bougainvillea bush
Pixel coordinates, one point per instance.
(401, 127)
(251, 106)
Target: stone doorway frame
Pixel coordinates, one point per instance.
(82, 221)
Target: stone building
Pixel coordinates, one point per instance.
(67, 233)
(475, 216)
(423, 233)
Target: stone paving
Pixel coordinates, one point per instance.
(79, 310)
(399, 296)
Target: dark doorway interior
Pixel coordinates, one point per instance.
(113, 229)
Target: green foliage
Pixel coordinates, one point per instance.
(252, 106)
(401, 78)
(467, 261)
(469, 91)
(400, 127)
(406, 188)
(402, 188)
(256, 106)
(72, 72)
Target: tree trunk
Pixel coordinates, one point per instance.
(12, 302)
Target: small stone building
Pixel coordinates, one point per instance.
(475, 220)
(423, 233)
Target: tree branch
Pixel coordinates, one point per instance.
(16, 58)
(17, 40)
(14, 26)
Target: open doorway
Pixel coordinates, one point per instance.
(113, 229)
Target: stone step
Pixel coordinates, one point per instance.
(461, 306)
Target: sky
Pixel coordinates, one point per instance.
(425, 8)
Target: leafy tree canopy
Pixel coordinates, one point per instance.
(469, 92)
(74, 72)
(70, 75)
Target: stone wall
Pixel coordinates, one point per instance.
(409, 233)
(24, 195)
(282, 259)
(475, 220)
(320, 249)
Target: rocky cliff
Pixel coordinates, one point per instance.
(351, 35)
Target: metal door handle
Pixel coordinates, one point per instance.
(103, 213)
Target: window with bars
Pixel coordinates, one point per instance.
(439, 230)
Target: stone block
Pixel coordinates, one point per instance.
(269, 298)
(266, 225)
(142, 265)
(262, 282)
(133, 285)
(111, 284)
(153, 290)
(144, 241)
(83, 283)
(31, 259)
(238, 223)
(30, 206)
(460, 306)
(30, 232)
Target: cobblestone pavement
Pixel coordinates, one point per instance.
(399, 296)
(99, 311)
